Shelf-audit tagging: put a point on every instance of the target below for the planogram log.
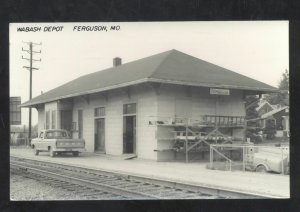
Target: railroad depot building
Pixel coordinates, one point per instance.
(136, 107)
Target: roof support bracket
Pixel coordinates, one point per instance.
(128, 91)
(86, 98)
(105, 94)
(244, 95)
(189, 91)
(156, 87)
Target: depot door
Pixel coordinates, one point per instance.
(66, 120)
(129, 134)
(100, 134)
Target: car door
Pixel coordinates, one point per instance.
(39, 142)
(48, 140)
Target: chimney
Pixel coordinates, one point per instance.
(117, 61)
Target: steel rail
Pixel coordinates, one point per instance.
(205, 190)
(82, 182)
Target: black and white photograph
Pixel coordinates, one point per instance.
(149, 110)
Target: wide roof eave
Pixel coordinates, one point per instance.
(177, 82)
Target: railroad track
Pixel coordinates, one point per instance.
(95, 184)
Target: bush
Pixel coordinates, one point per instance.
(270, 129)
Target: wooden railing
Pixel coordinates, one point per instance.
(224, 120)
(215, 120)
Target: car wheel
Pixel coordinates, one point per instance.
(52, 153)
(261, 168)
(36, 152)
(75, 154)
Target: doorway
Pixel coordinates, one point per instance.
(66, 120)
(80, 124)
(100, 135)
(129, 134)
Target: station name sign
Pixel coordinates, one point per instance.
(217, 91)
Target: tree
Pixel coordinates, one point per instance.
(284, 82)
(251, 103)
(270, 129)
(35, 131)
(281, 98)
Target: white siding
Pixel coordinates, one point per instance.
(146, 102)
(114, 123)
(169, 101)
(52, 106)
(206, 104)
(232, 105)
(87, 120)
(145, 135)
(166, 99)
(146, 107)
(180, 101)
(41, 119)
(203, 103)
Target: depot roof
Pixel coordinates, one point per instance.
(172, 67)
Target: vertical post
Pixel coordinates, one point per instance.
(30, 93)
(282, 165)
(30, 68)
(243, 159)
(212, 154)
(244, 131)
(186, 144)
(210, 159)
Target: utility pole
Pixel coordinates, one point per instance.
(30, 51)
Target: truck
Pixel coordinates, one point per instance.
(57, 141)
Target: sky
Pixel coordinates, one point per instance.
(257, 49)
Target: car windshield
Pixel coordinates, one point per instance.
(57, 134)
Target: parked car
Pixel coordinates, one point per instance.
(57, 141)
(270, 159)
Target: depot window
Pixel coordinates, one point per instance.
(99, 111)
(53, 119)
(47, 119)
(129, 108)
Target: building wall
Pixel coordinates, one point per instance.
(81, 103)
(180, 101)
(167, 101)
(113, 101)
(51, 106)
(146, 107)
(41, 119)
(192, 102)
(114, 122)
(15, 110)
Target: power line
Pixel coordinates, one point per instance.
(30, 51)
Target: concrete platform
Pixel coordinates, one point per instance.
(270, 185)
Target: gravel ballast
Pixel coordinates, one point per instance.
(22, 188)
